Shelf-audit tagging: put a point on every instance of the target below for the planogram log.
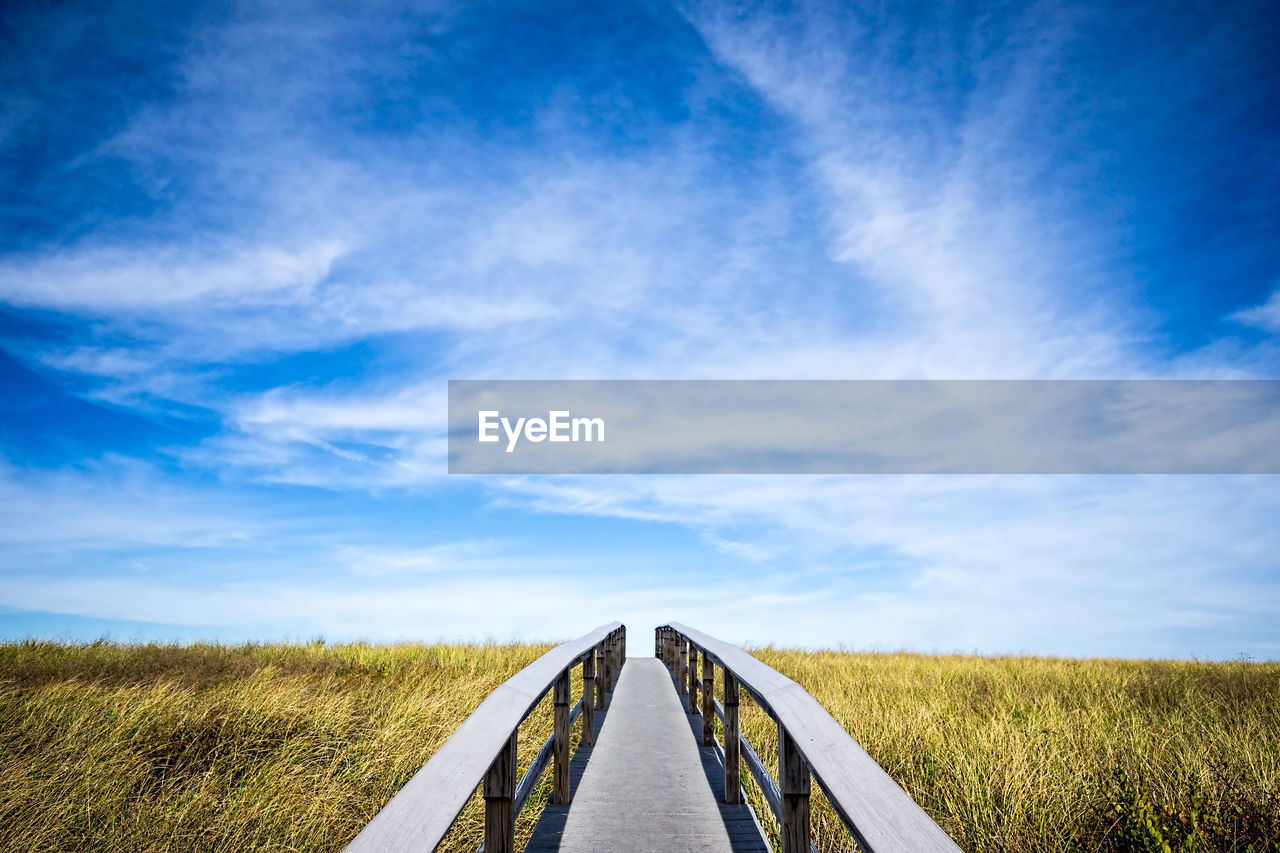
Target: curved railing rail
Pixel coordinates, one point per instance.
(879, 815)
(483, 749)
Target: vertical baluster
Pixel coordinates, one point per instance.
(693, 678)
(499, 812)
(793, 782)
(600, 679)
(732, 744)
(611, 661)
(708, 700)
(608, 664)
(589, 698)
(682, 675)
(560, 747)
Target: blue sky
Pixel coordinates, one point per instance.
(243, 247)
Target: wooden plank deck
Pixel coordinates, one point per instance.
(647, 784)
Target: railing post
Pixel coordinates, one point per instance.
(682, 676)
(708, 700)
(732, 743)
(499, 789)
(560, 748)
(589, 698)
(693, 678)
(600, 676)
(617, 658)
(608, 665)
(622, 648)
(611, 652)
(793, 782)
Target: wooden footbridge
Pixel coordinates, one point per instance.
(649, 773)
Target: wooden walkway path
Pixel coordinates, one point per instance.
(648, 784)
(648, 774)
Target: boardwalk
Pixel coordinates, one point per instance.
(648, 784)
(641, 780)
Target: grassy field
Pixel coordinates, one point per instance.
(1012, 754)
(149, 748)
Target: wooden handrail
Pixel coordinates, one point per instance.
(483, 750)
(879, 815)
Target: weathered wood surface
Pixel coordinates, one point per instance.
(499, 794)
(418, 817)
(693, 679)
(793, 784)
(732, 740)
(707, 687)
(649, 785)
(880, 816)
(602, 688)
(560, 737)
(588, 702)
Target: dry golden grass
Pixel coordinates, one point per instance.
(108, 747)
(1014, 754)
(111, 747)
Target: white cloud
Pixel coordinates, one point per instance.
(1100, 565)
(112, 278)
(114, 503)
(449, 557)
(981, 270)
(414, 409)
(1265, 316)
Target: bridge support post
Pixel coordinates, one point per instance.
(499, 813)
(560, 747)
(732, 742)
(708, 700)
(693, 679)
(589, 699)
(793, 782)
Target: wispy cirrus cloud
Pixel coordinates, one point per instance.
(116, 279)
(112, 503)
(935, 196)
(1265, 316)
(1010, 563)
